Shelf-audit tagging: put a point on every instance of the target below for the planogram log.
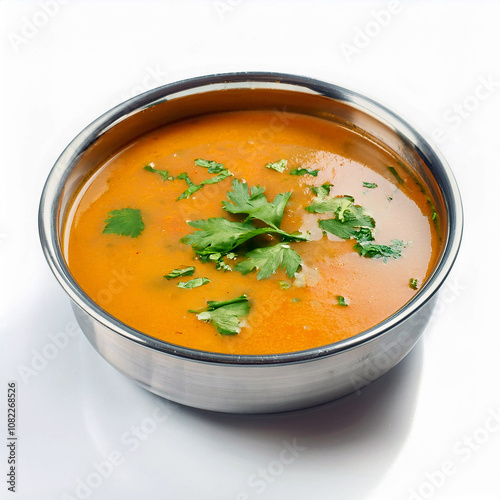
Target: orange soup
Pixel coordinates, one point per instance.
(226, 234)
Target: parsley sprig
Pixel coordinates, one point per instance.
(221, 236)
(225, 315)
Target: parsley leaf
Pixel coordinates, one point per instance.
(413, 283)
(374, 251)
(177, 273)
(349, 221)
(192, 187)
(279, 166)
(124, 222)
(341, 301)
(269, 259)
(322, 191)
(162, 173)
(304, 171)
(225, 315)
(195, 283)
(255, 204)
(213, 166)
(284, 285)
(219, 235)
(370, 185)
(395, 174)
(336, 205)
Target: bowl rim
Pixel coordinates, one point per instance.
(48, 214)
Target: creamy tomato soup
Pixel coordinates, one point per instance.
(224, 234)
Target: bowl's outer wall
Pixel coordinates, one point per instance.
(248, 384)
(236, 388)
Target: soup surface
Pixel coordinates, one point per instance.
(350, 246)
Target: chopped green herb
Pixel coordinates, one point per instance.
(434, 215)
(296, 299)
(341, 301)
(225, 315)
(370, 185)
(213, 166)
(267, 260)
(284, 285)
(322, 191)
(177, 273)
(124, 222)
(195, 283)
(255, 204)
(162, 173)
(279, 166)
(395, 174)
(349, 221)
(413, 283)
(374, 251)
(389, 198)
(192, 187)
(304, 171)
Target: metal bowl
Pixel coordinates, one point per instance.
(249, 383)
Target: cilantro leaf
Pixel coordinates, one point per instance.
(255, 204)
(192, 187)
(219, 235)
(396, 175)
(269, 259)
(195, 283)
(177, 273)
(374, 251)
(279, 166)
(322, 191)
(225, 315)
(413, 283)
(162, 173)
(213, 166)
(304, 171)
(341, 301)
(336, 205)
(370, 185)
(124, 222)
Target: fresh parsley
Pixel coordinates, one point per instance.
(284, 285)
(370, 185)
(396, 175)
(413, 283)
(375, 251)
(124, 222)
(177, 273)
(322, 191)
(192, 187)
(162, 173)
(213, 166)
(194, 283)
(279, 166)
(218, 237)
(349, 220)
(304, 171)
(225, 315)
(341, 301)
(267, 260)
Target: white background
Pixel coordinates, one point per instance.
(390, 442)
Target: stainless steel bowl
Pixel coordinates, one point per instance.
(249, 383)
